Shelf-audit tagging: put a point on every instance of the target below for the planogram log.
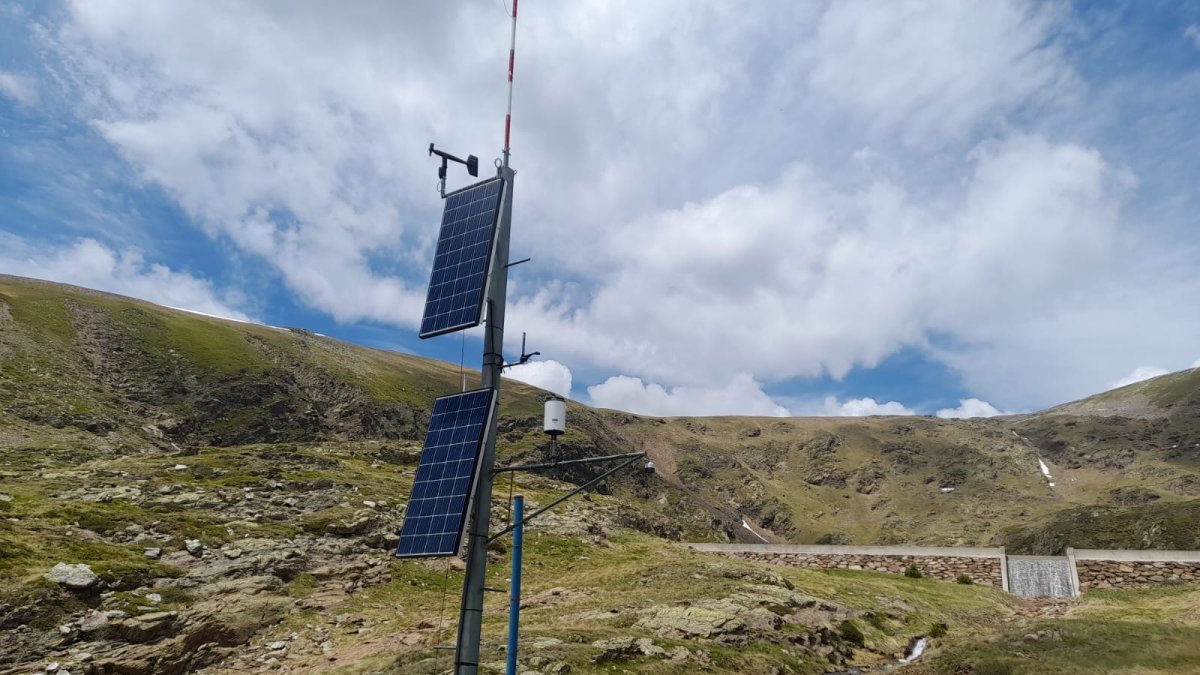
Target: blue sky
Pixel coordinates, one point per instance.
(791, 208)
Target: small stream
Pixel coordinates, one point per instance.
(916, 647)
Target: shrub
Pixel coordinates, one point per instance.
(938, 630)
(964, 579)
(851, 632)
(912, 572)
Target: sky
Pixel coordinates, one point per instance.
(952, 208)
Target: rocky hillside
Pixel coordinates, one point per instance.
(175, 487)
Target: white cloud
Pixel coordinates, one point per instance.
(742, 395)
(888, 181)
(20, 88)
(933, 71)
(89, 263)
(820, 279)
(1137, 375)
(549, 375)
(1196, 363)
(1193, 33)
(970, 407)
(862, 407)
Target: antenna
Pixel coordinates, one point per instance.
(512, 59)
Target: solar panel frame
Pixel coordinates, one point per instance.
(458, 285)
(434, 525)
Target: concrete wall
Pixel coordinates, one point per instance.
(987, 566)
(1134, 569)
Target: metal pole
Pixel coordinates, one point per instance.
(470, 616)
(512, 59)
(514, 586)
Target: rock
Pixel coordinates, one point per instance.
(358, 524)
(691, 622)
(154, 597)
(5, 497)
(194, 547)
(64, 629)
(232, 553)
(146, 627)
(52, 667)
(277, 645)
(75, 577)
(153, 553)
(92, 621)
(624, 648)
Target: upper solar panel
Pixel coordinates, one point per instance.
(463, 259)
(445, 482)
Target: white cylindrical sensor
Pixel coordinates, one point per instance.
(556, 416)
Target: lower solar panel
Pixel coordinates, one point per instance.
(440, 502)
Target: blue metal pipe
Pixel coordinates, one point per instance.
(514, 586)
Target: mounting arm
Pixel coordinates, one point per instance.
(471, 162)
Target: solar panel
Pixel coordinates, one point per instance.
(458, 283)
(445, 483)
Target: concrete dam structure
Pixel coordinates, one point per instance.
(1041, 576)
(1030, 576)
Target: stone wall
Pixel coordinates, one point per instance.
(1135, 573)
(983, 571)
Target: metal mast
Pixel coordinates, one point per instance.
(470, 618)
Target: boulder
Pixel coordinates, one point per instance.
(75, 577)
(691, 622)
(624, 648)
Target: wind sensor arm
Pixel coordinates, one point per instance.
(524, 356)
(471, 162)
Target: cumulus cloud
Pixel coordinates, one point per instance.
(549, 375)
(1192, 32)
(1137, 375)
(20, 88)
(821, 279)
(294, 134)
(970, 407)
(741, 395)
(863, 407)
(91, 264)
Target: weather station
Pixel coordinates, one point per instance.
(452, 491)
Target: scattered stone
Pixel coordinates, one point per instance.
(369, 504)
(93, 621)
(194, 546)
(154, 598)
(277, 645)
(153, 553)
(52, 667)
(232, 553)
(179, 467)
(75, 577)
(65, 629)
(5, 497)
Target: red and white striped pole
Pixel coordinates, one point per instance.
(512, 57)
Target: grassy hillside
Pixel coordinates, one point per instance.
(235, 489)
